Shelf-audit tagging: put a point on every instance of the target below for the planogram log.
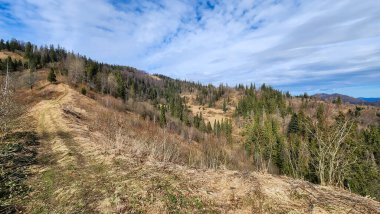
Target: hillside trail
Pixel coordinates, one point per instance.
(65, 173)
(75, 175)
(53, 127)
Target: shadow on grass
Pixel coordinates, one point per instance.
(64, 135)
(18, 151)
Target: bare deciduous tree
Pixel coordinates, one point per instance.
(103, 76)
(75, 67)
(332, 153)
(112, 84)
(8, 108)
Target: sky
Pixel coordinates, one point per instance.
(313, 46)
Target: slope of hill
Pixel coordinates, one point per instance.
(5, 54)
(134, 142)
(78, 172)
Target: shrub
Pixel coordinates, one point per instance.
(83, 91)
(51, 76)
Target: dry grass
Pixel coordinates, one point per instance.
(127, 133)
(209, 114)
(96, 157)
(367, 114)
(155, 77)
(13, 55)
(216, 113)
(227, 189)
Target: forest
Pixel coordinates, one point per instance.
(323, 143)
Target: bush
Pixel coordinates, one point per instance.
(83, 91)
(51, 76)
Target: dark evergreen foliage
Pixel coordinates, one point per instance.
(289, 150)
(51, 76)
(265, 100)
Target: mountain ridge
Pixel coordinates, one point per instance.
(61, 118)
(348, 99)
(124, 117)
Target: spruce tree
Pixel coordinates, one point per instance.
(51, 76)
(224, 106)
(293, 124)
(339, 101)
(209, 128)
(28, 50)
(162, 116)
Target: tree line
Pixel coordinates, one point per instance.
(317, 148)
(311, 147)
(124, 82)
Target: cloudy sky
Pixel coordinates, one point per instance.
(316, 46)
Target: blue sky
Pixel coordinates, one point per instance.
(316, 46)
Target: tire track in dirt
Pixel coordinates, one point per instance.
(53, 129)
(60, 184)
(78, 181)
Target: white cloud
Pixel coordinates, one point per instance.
(309, 44)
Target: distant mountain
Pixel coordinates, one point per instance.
(345, 98)
(348, 99)
(372, 99)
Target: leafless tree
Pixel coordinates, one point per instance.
(333, 153)
(112, 84)
(8, 107)
(103, 76)
(75, 67)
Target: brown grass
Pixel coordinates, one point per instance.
(127, 133)
(367, 114)
(13, 55)
(97, 157)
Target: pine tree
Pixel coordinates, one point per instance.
(229, 131)
(293, 124)
(28, 50)
(224, 106)
(321, 113)
(209, 128)
(120, 90)
(339, 101)
(162, 116)
(218, 128)
(51, 76)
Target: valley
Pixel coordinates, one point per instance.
(114, 139)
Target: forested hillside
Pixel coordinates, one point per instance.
(262, 129)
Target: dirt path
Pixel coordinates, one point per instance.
(52, 127)
(75, 176)
(64, 171)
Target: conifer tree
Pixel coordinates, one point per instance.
(338, 101)
(162, 116)
(28, 50)
(51, 76)
(224, 106)
(293, 124)
(209, 128)
(120, 88)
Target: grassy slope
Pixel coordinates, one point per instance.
(13, 55)
(78, 172)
